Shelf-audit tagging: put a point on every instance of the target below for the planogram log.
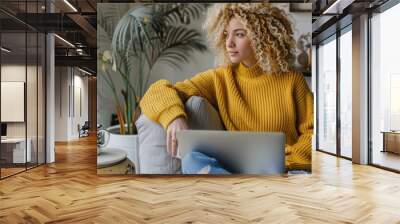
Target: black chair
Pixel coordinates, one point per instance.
(84, 130)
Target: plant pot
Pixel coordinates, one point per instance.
(128, 143)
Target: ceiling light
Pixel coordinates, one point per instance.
(337, 7)
(65, 41)
(326, 11)
(70, 5)
(5, 50)
(84, 71)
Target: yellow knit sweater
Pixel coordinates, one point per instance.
(247, 100)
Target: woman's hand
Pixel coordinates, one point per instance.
(176, 125)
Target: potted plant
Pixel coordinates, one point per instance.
(146, 35)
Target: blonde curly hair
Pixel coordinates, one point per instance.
(269, 29)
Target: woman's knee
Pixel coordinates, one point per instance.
(150, 131)
(202, 115)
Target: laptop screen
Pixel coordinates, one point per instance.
(3, 129)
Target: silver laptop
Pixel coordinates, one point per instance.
(239, 152)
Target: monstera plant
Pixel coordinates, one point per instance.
(147, 34)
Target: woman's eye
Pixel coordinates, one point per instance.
(240, 34)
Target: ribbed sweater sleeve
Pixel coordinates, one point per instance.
(300, 152)
(164, 102)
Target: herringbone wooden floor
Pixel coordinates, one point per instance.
(69, 191)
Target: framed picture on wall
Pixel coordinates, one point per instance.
(12, 101)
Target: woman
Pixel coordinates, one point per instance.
(254, 89)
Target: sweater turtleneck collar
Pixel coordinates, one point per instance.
(249, 72)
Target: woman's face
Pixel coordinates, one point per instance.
(238, 44)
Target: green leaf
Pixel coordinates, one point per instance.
(146, 34)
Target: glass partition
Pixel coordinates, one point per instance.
(41, 96)
(13, 96)
(31, 98)
(346, 93)
(385, 89)
(327, 96)
(22, 77)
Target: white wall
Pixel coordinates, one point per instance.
(61, 107)
(12, 73)
(67, 115)
(33, 126)
(79, 117)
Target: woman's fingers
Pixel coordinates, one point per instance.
(172, 142)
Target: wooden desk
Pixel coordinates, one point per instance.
(391, 141)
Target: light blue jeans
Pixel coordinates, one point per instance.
(199, 163)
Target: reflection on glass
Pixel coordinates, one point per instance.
(23, 84)
(346, 94)
(327, 97)
(13, 85)
(41, 99)
(31, 97)
(385, 86)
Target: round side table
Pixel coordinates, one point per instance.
(114, 161)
